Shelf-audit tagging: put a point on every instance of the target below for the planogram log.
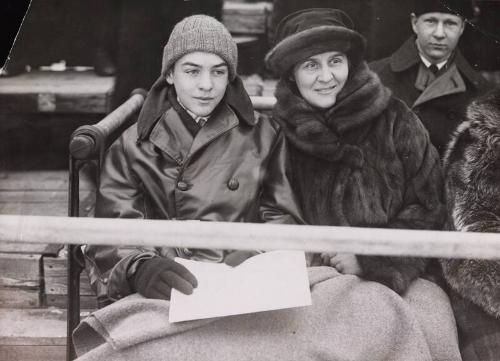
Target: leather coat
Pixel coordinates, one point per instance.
(231, 170)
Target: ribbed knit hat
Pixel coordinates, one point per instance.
(200, 33)
(314, 31)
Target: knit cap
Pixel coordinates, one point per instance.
(200, 33)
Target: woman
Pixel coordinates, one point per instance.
(359, 156)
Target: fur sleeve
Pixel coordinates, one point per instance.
(424, 204)
(473, 191)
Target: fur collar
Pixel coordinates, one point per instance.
(325, 134)
(482, 124)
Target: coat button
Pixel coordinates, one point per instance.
(233, 184)
(183, 186)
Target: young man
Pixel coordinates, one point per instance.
(429, 73)
(197, 152)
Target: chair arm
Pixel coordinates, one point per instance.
(86, 142)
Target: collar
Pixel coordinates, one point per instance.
(199, 120)
(156, 104)
(407, 56)
(427, 63)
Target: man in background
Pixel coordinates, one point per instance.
(429, 73)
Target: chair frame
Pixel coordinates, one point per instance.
(88, 145)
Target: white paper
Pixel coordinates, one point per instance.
(267, 281)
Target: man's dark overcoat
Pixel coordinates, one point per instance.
(441, 106)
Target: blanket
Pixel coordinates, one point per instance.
(350, 319)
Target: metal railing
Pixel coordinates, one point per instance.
(222, 235)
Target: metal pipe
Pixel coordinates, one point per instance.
(263, 103)
(220, 235)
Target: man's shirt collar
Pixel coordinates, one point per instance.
(199, 120)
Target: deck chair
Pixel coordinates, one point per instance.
(87, 146)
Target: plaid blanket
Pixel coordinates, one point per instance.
(479, 333)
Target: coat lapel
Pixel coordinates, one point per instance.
(217, 125)
(450, 82)
(171, 136)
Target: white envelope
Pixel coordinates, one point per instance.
(267, 281)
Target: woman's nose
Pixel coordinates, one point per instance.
(326, 74)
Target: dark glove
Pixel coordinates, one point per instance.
(236, 258)
(156, 277)
(396, 273)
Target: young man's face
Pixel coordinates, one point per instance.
(437, 34)
(200, 80)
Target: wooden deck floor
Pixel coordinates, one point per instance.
(32, 276)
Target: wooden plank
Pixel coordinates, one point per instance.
(32, 327)
(48, 103)
(28, 196)
(56, 92)
(60, 301)
(48, 203)
(20, 270)
(246, 18)
(34, 209)
(20, 280)
(64, 82)
(30, 248)
(33, 353)
(19, 298)
(56, 289)
(42, 180)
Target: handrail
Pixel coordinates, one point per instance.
(221, 235)
(85, 141)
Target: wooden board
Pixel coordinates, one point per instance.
(33, 353)
(56, 92)
(41, 180)
(246, 18)
(44, 327)
(55, 275)
(20, 280)
(30, 248)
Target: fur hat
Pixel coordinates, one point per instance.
(200, 33)
(463, 8)
(314, 31)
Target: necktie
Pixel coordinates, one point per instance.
(433, 68)
(202, 121)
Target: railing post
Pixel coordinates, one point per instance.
(74, 266)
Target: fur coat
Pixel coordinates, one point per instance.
(472, 166)
(365, 162)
